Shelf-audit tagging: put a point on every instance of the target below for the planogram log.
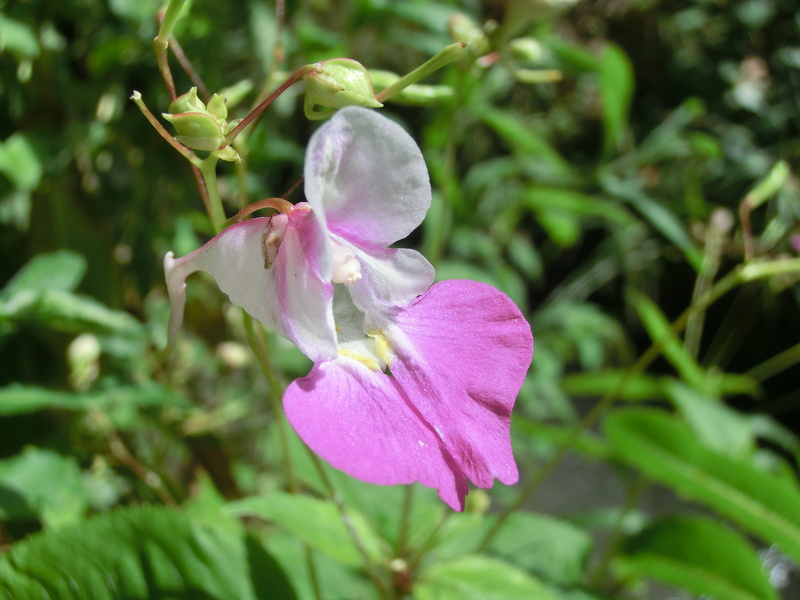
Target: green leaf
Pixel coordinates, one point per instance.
(552, 549)
(70, 313)
(525, 141)
(317, 522)
(698, 555)
(18, 399)
(19, 162)
(141, 554)
(599, 383)
(478, 578)
(61, 270)
(658, 215)
(668, 451)
(720, 427)
(18, 38)
(42, 484)
(615, 78)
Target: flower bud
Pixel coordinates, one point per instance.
(197, 130)
(464, 29)
(188, 102)
(217, 107)
(336, 83)
(526, 50)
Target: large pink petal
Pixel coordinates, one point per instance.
(366, 176)
(461, 353)
(292, 296)
(361, 422)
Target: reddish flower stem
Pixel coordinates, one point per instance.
(293, 78)
(279, 204)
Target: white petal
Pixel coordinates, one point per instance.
(368, 177)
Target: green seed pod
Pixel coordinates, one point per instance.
(188, 102)
(337, 83)
(217, 107)
(197, 130)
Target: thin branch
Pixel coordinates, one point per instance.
(183, 150)
(279, 204)
(187, 67)
(126, 457)
(256, 112)
(348, 523)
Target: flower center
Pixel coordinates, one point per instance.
(346, 268)
(271, 238)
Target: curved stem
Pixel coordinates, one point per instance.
(208, 168)
(279, 204)
(408, 500)
(183, 150)
(293, 78)
(348, 523)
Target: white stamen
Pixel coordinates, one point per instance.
(271, 238)
(346, 268)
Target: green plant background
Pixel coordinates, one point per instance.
(657, 461)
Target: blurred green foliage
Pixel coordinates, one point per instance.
(590, 159)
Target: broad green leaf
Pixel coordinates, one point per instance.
(698, 555)
(317, 522)
(338, 581)
(720, 427)
(42, 484)
(19, 162)
(660, 331)
(668, 451)
(552, 549)
(17, 399)
(141, 554)
(615, 78)
(61, 270)
(478, 578)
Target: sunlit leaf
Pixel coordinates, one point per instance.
(317, 522)
(476, 577)
(144, 553)
(61, 270)
(41, 484)
(668, 451)
(698, 555)
(716, 424)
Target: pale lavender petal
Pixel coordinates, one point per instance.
(360, 421)
(290, 295)
(461, 353)
(390, 278)
(367, 176)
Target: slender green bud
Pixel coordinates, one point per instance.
(464, 29)
(526, 50)
(336, 83)
(769, 185)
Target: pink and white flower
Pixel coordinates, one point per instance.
(411, 381)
